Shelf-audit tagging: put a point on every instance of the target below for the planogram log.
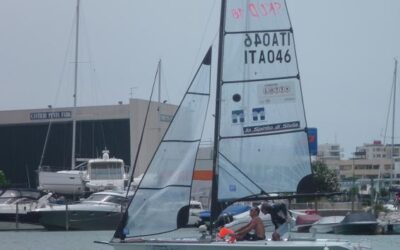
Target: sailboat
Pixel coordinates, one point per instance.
(100, 174)
(260, 141)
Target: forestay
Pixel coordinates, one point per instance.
(263, 145)
(164, 191)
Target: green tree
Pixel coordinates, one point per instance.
(3, 180)
(325, 179)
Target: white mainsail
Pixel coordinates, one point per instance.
(163, 195)
(263, 145)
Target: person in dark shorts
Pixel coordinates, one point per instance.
(256, 224)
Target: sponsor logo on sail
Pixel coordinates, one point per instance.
(237, 116)
(271, 127)
(279, 92)
(258, 114)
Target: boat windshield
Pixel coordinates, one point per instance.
(107, 198)
(195, 206)
(106, 171)
(9, 196)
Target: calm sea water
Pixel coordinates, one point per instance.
(72, 240)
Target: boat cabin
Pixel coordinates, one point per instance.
(105, 173)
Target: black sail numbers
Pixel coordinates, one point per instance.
(267, 47)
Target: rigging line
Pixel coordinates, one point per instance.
(245, 175)
(92, 76)
(45, 145)
(198, 93)
(71, 34)
(202, 39)
(260, 196)
(164, 187)
(92, 67)
(388, 113)
(58, 90)
(184, 141)
(226, 171)
(139, 147)
(159, 241)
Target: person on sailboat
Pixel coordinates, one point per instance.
(255, 224)
(279, 217)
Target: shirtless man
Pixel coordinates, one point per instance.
(255, 224)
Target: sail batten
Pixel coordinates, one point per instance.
(265, 79)
(257, 31)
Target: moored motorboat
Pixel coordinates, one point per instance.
(100, 211)
(16, 203)
(195, 208)
(326, 224)
(357, 223)
(93, 176)
(305, 221)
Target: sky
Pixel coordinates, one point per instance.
(345, 51)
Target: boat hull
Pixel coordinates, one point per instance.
(78, 220)
(249, 245)
(326, 224)
(393, 228)
(12, 217)
(356, 228)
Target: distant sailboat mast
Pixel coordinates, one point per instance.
(75, 86)
(393, 119)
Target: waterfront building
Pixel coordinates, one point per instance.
(377, 150)
(117, 127)
(329, 151)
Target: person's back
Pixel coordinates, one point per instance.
(279, 217)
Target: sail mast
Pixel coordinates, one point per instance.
(75, 86)
(393, 117)
(215, 208)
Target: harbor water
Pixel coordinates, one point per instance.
(71, 240)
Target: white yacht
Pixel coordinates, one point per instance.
(99, 174)
(18, 202)
(100, 211)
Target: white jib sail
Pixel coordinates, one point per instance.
(164, 192)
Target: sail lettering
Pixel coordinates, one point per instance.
(257, 10)
(271, 47)
(268, 39)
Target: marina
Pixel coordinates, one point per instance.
(231, 160)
